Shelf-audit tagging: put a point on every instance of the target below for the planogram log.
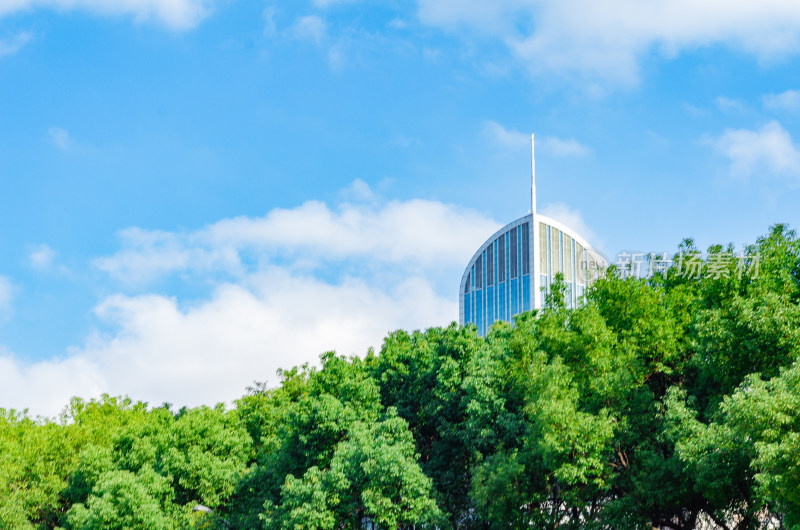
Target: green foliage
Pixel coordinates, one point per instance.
(34, 458)
(205, 454)
(659, 402)
(422, 376)
(373, 475)
(120, 499)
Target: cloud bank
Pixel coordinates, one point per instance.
(6, 292)
(785, 101)
(414, 234)
(286, 287)
(175, 14)
(573, 219)
(767, 152)
(14, 44)
(607, 40)
(512, 139)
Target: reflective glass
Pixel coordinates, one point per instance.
(513, 251)
(501, 297)
(542, 247)
(501, 258)
(574, 262)
(580, 263)
(479, 311)
(490, 264)
(555, 253)
(514, 297)
(526, 253)
(489, 306)
(568, 258)
(526, 293)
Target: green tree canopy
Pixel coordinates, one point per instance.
(670, 402)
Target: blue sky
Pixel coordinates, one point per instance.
(194, 193)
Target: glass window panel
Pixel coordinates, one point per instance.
(502, 301)
(489, 306)
(555, 252)
(548, 269)
(501, 259)
(513, 252)
(490, 264)
(479, 272)
(574, 263)
(580, 263)
(479, 310)
(542, 248)
(526, 252)
(567, 258)
(466, 284)
(514, 298)
(526, 293)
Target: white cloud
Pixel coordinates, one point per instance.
(767, 152)
(6, 294)
(413, 234)
(46, 387)
(572, 219)
(176, 14)
(562, 147)
(337, 58)
(149, 254)
(727, 104)
(14, 44)
(212, 351)
(606, 40)
(286, 287)
(785, 101)
(328, 3)
(431, 54)
(506, 138)
(359, 191)
(485, 16)
(694, 111)
(60, 138)
(311, 28)
(314, 29)
(511, 139)
(270, 27)
(397, 23)
(42, 257)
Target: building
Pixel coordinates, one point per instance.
(512, 271)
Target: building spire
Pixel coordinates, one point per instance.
(533, 179)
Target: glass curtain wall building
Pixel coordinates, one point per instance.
(513, 270)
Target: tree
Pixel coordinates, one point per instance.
(659, 402)
(373, 476)
(121, 499)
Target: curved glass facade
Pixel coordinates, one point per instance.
(512, 271)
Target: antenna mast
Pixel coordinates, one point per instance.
(533, 179)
